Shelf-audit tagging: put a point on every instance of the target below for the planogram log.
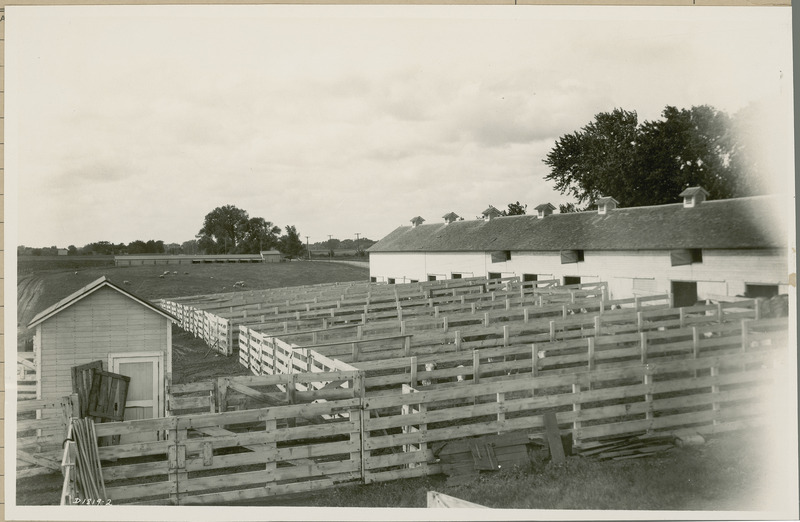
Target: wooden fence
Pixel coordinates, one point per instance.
(41, 427)
(323, 429)
(27, 375)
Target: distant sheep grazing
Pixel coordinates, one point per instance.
(161, 276)
(126, 282)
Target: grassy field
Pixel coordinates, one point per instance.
(50, 285)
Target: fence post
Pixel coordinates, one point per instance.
(501, 412)
(407, 346)
(222, 394)
(720, 311)
(637, 303)
(435, 311)
(648, 397)
(745, 327)
(359, 332)
(476, 366)
(715, 393)
(639, 318)
(508, 303)
(413, 363)
(458, 340)
(552, 331)
(643, 342)
(576, 408)
(444, 324)
(290, 387)
(472, 308)
(590, 341)
(598, 320)
(564, 311)
(355, 351)
(681, 317)
(525, 316)
(506, 335)
(486, 319)
(757, 308)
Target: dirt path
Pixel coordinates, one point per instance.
(29, 289)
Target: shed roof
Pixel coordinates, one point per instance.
(271, 252)
(88, 290)
(741, 223)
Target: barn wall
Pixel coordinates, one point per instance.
(628, 273)
(103, 322)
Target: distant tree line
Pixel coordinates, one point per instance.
(332, 245)
(226, 230)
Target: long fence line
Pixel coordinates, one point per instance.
(268, 435)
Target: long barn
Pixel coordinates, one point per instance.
(694, 250)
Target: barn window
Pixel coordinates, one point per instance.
(456, 276)
(530, 277)
(501, 256)
(373, 279)
(391, 280)
(571, 256)
(767, 291)
(572, 280)
(431, 278)
(413, 280)
(686, 256)
(495, 275)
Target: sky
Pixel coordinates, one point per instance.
(126, 123)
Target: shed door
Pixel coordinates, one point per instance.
(145, 398)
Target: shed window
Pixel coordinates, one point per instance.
(530, 277)
(456, 276)
(571, 256)
(495, 275)
(572, 280)
(373, 279)
(686, 256)
(391, 280)
(431, 278)
(413, 281)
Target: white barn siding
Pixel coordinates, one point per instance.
(101, 323)
(629, 273)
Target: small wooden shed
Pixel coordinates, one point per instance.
(102, 321)
(271, 256)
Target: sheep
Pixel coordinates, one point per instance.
(126, 282)
(460, 378)
(161, 276)
(429, 367)
(186, 273)
(175, 272)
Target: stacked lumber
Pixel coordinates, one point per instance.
(627, 447)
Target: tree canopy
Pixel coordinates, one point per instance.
(515, 209)
(649, 163)
(290, 243)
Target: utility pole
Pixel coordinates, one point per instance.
(357, 247)
(330, 250)
(308, 249)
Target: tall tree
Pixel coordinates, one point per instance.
(223, 229)
(515, 209)
(258, 234)
(648, 163)
(290, 243)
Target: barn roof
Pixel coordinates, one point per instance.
(272, 252)
(741, 223)
(88, 290)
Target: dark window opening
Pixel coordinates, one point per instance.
(686, 256)
(766, 291)
(456, 276)
(431, 278)
(571, 256)
(391, 280)
(572, 280)
(530, 277)
(414, 280)
(684, 293)
(373, 279)
(495, 275)
(501, 256)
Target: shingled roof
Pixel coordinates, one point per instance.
(742, 223)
